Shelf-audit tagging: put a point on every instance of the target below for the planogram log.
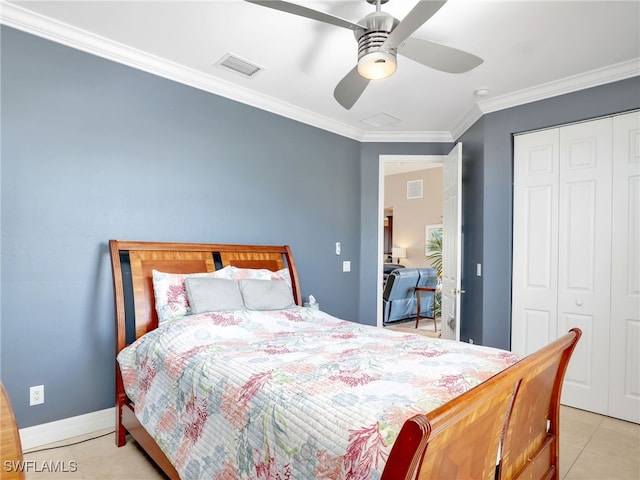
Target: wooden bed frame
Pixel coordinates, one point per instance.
(515, 411)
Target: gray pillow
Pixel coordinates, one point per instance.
(213, 294)
(266, 294)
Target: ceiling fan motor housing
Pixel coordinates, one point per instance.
(374, 61)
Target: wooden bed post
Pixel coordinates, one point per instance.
(121, 397)
(121, 400)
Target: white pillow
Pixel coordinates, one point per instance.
(170, 294)
(266, 294)
(213, 294)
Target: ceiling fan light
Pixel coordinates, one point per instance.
(377, 65)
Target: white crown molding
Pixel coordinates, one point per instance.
(467, 120)
(601, 76)
(30, 22)
(409, 137)
(46, 433)
(620, 71)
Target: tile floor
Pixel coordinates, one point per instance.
(592, 447)
(596, 447)
(426, 327)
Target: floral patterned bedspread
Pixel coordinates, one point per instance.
(290, 394)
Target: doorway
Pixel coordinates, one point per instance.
(392, 164)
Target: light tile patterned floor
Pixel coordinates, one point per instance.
(426, 327)
(592, 447)
(596, 447)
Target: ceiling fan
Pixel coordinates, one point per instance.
(380, 38)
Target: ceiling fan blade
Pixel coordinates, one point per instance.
(308, 13)
(440, 57)
(418, 15)
(349, 89)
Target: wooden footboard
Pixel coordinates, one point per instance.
(531, 444)
(515, 412)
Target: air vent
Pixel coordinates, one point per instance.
(238, 65)
(414, 189)
(381, 120)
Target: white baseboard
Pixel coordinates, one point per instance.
(38, 435)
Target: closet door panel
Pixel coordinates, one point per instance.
(584, 276)
(581, 366)
(535, 238)
(624, 391)
(580, 237)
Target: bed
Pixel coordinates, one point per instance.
(217, 385)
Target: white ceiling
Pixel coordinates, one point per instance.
(531, 50)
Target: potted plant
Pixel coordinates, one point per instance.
(435, 255)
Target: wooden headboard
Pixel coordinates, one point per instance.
(132, 264)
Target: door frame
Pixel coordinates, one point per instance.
(382, 161)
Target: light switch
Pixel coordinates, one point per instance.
(346, 266)
(337, 248)
(478, 269)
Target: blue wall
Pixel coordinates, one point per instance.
(93, 150)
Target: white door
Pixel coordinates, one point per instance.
(451, 243)
(584, 259)
(534, 316)
(562, 251)
(624, 379)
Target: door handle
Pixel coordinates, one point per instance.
(457, 291)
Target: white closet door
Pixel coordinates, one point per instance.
(535, 241)
(576, 256)
(584, 265)
(624, 390)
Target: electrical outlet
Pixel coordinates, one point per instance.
(36, 395)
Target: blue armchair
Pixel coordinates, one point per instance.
(399, 299)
